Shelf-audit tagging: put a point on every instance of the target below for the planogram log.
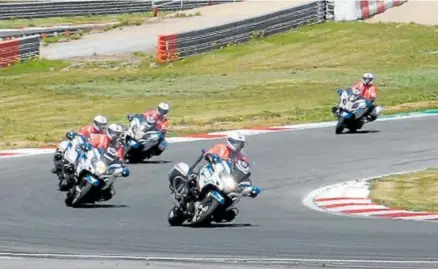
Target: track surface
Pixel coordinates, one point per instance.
(287, 166)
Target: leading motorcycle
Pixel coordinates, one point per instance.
(74, 148)
(140, 139)
(351, 109)
(209, 195)
(96, 172)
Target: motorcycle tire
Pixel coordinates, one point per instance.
(204, 217)
(175, 218)
(340, 126)
(77, 199)
(69, 197)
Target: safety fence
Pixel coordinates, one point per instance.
(51, 31)
(175, 46)
(17, 10)
(18, 50)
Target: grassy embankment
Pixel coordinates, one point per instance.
(289, 78)
(414, 191)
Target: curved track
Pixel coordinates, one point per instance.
(287, 166)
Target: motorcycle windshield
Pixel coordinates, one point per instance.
(146, 127)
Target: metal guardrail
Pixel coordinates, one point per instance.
(50, 31)
(19, 50)
(172, 47)
(16, 10)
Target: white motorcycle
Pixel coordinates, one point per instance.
(351, 110)
(140, 139)
(96, 172)
(218, 192)
(72, 152)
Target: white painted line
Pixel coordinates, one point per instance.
(210, 259)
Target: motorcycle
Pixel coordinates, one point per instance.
(96, 171)
(209, 198)
(141, 138)
(351, 110)
(73, 151)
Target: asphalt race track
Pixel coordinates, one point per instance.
(287, 166)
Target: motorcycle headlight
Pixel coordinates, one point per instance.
(229, 183)
(100, 168)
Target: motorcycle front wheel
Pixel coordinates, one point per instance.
(77, 196)
(340, 125)
(204, 211)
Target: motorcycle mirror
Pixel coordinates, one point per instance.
(202, 151)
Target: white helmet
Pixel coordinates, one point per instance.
(236, 141)
(163, 108)
(368, 78)
(114, 131)
(100, 122)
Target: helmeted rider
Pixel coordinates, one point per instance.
(161, 121)
(232, 151)
(109, 145)
(368, 90)
(98, 126)
(111, 138)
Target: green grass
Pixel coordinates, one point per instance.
(124, 19)
(284, 79)
(414, 191)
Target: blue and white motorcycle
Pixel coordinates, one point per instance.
(218, 190)
(141, 138)
(96, 174)
(351, 110)
(74, 149)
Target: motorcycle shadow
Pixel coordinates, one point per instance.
(362, 132)
(87, 206)
(223, 225)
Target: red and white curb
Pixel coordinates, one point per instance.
(222, 134)
(352, 199)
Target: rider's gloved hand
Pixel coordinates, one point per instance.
(368, 103)
(130, 117)
(209, 157)
(339, 91)
(70, 135)
(254, 192)
(125, 172)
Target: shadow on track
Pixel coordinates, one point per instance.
(100, 206)
(222, 225)
(363, 132)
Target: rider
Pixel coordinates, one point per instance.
(368, 90)
(109, 144)
(162, 124)
(232, 151)
(98, 126)
(109, 139)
